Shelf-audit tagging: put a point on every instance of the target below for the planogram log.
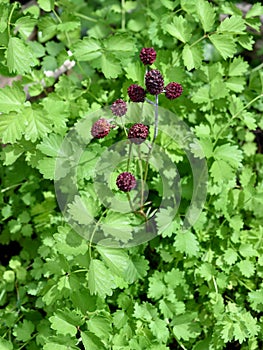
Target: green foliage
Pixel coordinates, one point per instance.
(199, 288)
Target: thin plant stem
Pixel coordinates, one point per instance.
(9, 19)
(94, 231)
(154, 137)
(235, 116)
(60, 21)
(141, 174)
(130, 202)
(123, 15)
(85, 17)
(129, 156)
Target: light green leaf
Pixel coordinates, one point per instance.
(186, 242)
(11, 99)
(12, 127)
(206, 14)
(255, 10)
(246, 267)
(120, 42)
(236, 84)
(101, 326)
(87, 49)
(62, 326)
(91, 341)
(116, 259)
(221, 171)
(37, 124)
(3, 17)
(224, 44)
(192, 57)
(25, 26)
(24, 330)
(110, 66)
(57, 346)
(238, 67)
(159, 330)
(100, 279)
(46, 166)
(185, 327)
(178, 29)
(19, 57)
(80, 212)
(137, 268)
(118, 226)
(229, 153)
(46, 5)
(232, 25)
(50, 145)
(230, 256)
(5, 344)
(256, 299)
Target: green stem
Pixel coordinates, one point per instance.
(123, 19)
(60, 21)
(129, 156)
(9, 19)
(235, 116)
(154, 137)
(85, 17)
(10, 187)
(94, 231)
(141, 174)
(198, 40)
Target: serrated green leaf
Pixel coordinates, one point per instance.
(229, 153)
(232, 25)
(46, 166)
(5, 344)
(100, 279)
(159, 329)
(37, 124)
(117, 225)
(62, 326)
(256, 300)
(255, 10)
(184, 326)
(238, 67)
(25, 26)
(80, 212)
(12, 127)
(192, 57)
(3, 17)
(116, 259)
(11, 99)
(50, 145)
(24, 330)
(230, 256)
(46, 5)
(224, 44)
(91, 341)
(19, 57)
(137, 268)
(178, 29)
(246, 267)
(236, 84)
(87, 49)
(110, 66)
(186, 242)
(101, 326)
(120, 42)
(206, 14)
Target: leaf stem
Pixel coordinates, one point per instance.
(85, 17)
(198, 40)
(235, 116)
(123, 19)
(10, 187)
(141, 174)
(94, 230)
(9, 19)
(154, 136)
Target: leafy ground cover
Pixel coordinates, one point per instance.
(194, 288)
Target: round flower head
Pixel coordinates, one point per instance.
(100, 128)
(138, 133)
(126, 181)
(154, 82)
(148, 55)
(119, 108)
(136, 93)
(173, 90)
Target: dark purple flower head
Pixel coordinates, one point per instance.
(136, 93)
(100, 128)
(154, 82)
(126, 181)
(119, 108)
(173, 90)
(148, 55)
(138, 133)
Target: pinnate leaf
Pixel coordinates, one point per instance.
(206, 14)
